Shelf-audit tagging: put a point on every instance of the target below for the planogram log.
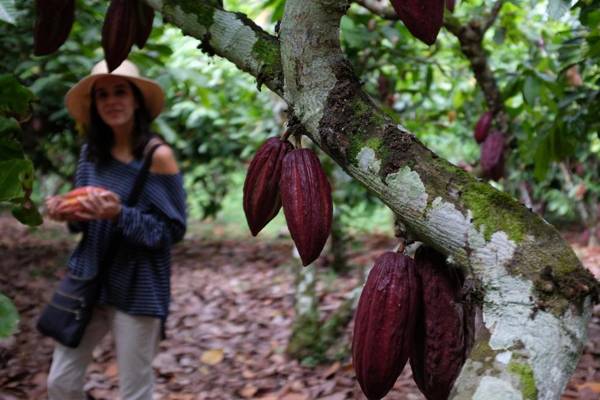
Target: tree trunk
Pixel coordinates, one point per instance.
(535, 297)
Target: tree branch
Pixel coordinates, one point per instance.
(489, 21)
(470, 37)
(230, 35)
(379, 7)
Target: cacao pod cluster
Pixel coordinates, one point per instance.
(492, 147)
(126, 22)
(423, 18)
(411, 310)
(281, 176)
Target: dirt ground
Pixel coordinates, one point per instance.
(230, 320)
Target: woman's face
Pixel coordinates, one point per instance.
(115, 101)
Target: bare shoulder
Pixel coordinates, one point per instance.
(163, 161)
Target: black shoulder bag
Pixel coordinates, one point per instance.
(70, 309)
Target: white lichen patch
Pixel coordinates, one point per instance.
(239, 40)
(449, 223)
(550, 344)
(408, 188)
(190, 21)
(504, 357)
(491, 388)
(368, 161)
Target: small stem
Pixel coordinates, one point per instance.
(401, 246)
(286, 134)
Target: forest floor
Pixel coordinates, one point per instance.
(230, 319)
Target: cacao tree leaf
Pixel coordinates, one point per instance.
(14, 97)
(557, 8)
(8, 127)
(531, 90)
(27, 214)
(14, 174)
(10, 150)
(7, 11)
(9, 317)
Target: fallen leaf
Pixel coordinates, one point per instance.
(212, 357)
(593, 386)
(112, 370)
(331, 370)
(248, 391)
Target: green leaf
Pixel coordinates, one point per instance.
(531, 90)
(8, 11)
(10, 149)
(9, 317)
(28, 214)
(8, 127)
(557, 8)
(14, 97)
(14, 176)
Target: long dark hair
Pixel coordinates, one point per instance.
(100, 137)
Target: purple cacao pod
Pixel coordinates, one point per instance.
(262, 200)
(119, 31)
(384, 326)
(53, 22)
(307, 205)
(492, 156)
(444, 327)
(483, 126)
(145, 17)
(423, 18)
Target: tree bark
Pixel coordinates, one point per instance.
(535, 296)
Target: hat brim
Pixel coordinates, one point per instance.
(78, 99)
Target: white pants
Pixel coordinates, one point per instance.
(136, 339)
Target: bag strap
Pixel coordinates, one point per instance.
(142, 175)
(132, 199)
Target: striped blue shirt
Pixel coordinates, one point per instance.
(138, 280)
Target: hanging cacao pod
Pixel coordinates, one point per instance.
(423, 18)
(492, 156)
(450, 4)
(262, 199)
(145, 17)
(384, 326)
(53, 22)
(119, 31)
(444, 328)
(483, 126)
(306, 200)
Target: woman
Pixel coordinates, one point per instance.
(117, 109)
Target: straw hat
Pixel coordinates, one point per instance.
(78, 98)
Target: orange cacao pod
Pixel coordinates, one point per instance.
(307, 205)
(119, 31)
(444, 327)
(423, 18)
(384, 325)
(262, 200)
(492, 156)
(53, 22)
(70, 201)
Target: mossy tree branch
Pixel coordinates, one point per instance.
(230, 35)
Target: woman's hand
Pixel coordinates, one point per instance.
(105, 205)
(54, 210)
